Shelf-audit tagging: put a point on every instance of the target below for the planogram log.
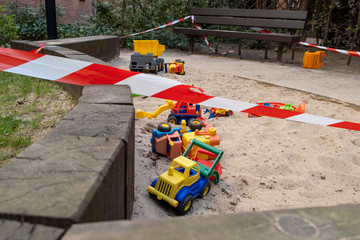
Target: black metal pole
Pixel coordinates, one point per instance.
(51, 19)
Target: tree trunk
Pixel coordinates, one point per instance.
(356, 34)
(133, 15)
(328, 23)
(123, 17)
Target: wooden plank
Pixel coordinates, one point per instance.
(251, 22)
(241, 35)
(251, 13)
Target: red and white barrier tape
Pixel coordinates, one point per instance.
(162, 26)
(85, 73)
(206, 40)
(347, 52)
(39, 49)
(175, 22)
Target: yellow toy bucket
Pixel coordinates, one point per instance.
(313, 59)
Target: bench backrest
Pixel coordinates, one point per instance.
(250, 17)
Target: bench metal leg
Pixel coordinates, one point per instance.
(239, 48)
(293, 51)
(191, 44)
(280, 52)
(266, 49)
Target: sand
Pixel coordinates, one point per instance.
(268, 163)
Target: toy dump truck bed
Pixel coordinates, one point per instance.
(148, 46)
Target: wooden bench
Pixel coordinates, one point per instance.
(290, 21)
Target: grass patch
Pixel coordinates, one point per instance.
(29, 108)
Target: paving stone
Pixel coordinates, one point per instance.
(106, 94)
(26, 231)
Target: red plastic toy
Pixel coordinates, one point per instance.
(289, 107)
(208, 163)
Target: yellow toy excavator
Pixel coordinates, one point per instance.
(169, 105)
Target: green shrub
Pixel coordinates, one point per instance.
(31, 22)
(8, 28)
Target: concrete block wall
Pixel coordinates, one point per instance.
(104, 48)
(83, 171)
(341, 222)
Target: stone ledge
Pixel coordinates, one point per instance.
(110, 94)
(340, 222)
(83, 171)
(105, 48)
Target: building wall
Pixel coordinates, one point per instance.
(75, 10)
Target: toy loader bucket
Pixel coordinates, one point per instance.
(211, 114)
(148, 46)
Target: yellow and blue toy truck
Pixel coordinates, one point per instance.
(186, 179)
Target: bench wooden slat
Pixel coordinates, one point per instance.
(251, 13)
(240, 35)
(278, 19)
(251, 22)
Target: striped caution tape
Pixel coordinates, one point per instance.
(346, 52)
(258, 29)
(162, 26)
(175, 22)
(207, 42)
(39, 49)
(85, 73)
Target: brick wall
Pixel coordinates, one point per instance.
(75, 10)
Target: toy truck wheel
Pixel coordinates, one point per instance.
(164, 127)
(216, 177)
(172, 120)
(229, 113)
(195, 124)
(217, 115)
(184, 206)
(152, 195)
(205, 190)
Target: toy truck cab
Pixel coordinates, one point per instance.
(180, 184)
(185, 108)
(184, 111)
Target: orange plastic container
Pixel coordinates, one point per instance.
(313, 59)
(148, 46)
